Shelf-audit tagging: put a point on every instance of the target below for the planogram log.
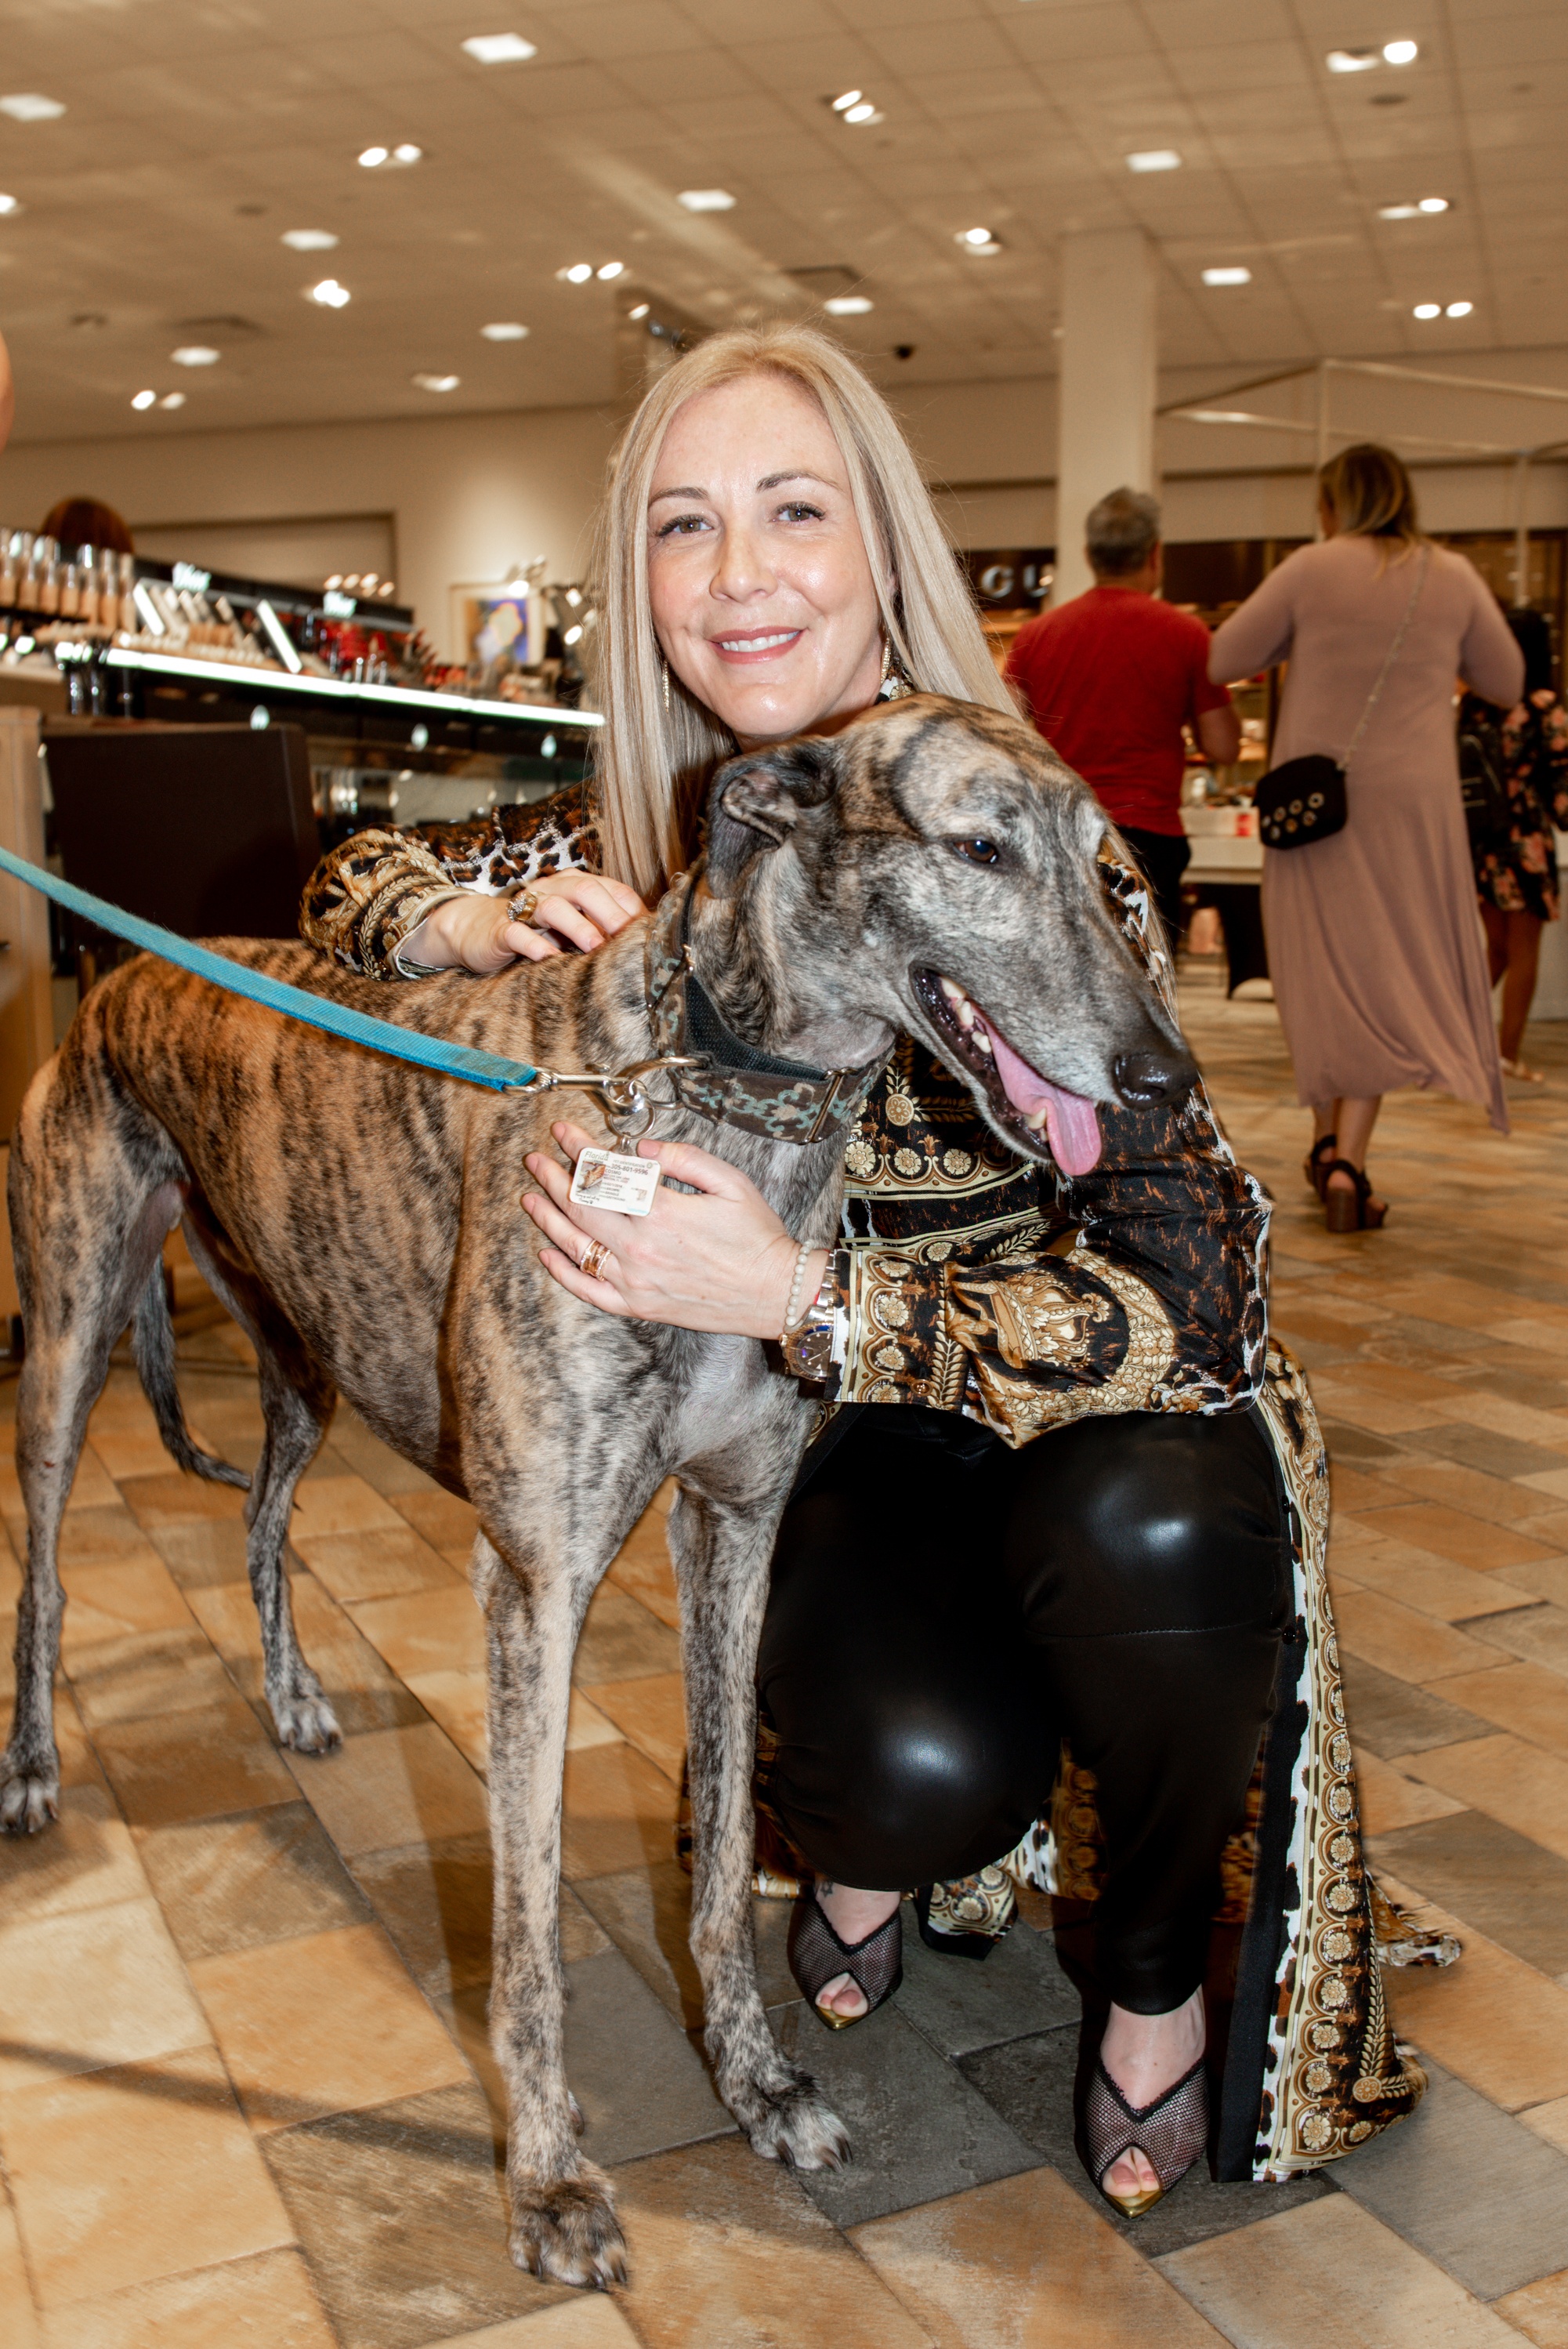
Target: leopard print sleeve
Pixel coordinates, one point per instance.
(366, 898)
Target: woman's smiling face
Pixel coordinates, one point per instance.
(763, 599)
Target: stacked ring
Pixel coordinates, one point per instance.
(594, 1259)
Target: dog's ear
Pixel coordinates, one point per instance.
(756, 800)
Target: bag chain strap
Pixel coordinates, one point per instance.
(1393, 656)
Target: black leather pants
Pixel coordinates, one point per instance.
(945, 1612)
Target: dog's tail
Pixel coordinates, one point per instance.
(152, 1344)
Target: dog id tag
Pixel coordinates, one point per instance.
(606, 1178)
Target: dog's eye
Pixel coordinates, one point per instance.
(978, 850)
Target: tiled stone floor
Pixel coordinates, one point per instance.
(244, 2094)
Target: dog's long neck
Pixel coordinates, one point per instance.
(773, 978)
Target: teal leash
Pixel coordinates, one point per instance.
(432, 1052)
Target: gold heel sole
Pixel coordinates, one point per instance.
(1133, 2205)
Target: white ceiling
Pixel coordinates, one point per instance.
(197, 131)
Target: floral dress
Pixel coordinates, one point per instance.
(1516, 869)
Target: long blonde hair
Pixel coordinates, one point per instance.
(653, 757)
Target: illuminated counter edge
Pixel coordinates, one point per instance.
(241, 677)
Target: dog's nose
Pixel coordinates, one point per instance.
(1144, 1077)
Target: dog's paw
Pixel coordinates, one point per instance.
(308, 1724)
(566, 2232)
(29, 1795)
(791, 2121)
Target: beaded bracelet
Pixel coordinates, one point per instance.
(792, 1310)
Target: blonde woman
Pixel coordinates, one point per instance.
(1376, 959)
(1052, 1505)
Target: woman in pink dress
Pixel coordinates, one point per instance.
(1373, 946)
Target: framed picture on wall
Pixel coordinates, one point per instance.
(492, 621)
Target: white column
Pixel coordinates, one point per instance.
(1105, 433)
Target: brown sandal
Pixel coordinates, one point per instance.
(1315, 1164)
(1352, 1211)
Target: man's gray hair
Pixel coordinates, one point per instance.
(1122, 531)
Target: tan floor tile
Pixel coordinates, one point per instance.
(1052, 2270)
(1489, 2018)
(1540, 2311)
(726, 2253)
(447, 1524)
(327, 2024)
(651, 1714)
(1524, 1698)
(1504, 1417)
(582, 2323)
(426, 1630)
(93, 1538)
(266, 2302)
(129, 1452)
(1450, 1533)
(1400, 1641)
(1549, 1580)
(1550, 2121)
(91, 1987)
(193, 1765)
(392, 1786)
(1432, 1585)
(18, 2318)
(643, 1569)
(1324, 2272)
(146, 1674)
(1378, 1415)
(78, 1762)
(1500, 1500)
(1388, 1799)
(620, 1812)
(341, 1505)
(1551, 1481)
(176, 1499)
(377, 1565)
(106, 1602)
(1518, 1783)
(124, 2176)
(457, 1701)
(87, 1860)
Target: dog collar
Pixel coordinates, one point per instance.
(734, 1084)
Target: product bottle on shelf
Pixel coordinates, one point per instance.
(107, 588)
(10, 541)
(49, 578)
(70, 589)
(129, 618)
(27, 575)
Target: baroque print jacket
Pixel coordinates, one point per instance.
(972, 1282)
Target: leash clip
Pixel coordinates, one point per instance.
(629, 1111)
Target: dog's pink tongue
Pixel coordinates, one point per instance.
(1072, 1123)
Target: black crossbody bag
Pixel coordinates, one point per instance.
(1306, 799)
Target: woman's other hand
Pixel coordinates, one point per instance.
(717, 1259)
(570, 909)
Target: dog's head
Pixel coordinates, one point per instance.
(933, 869)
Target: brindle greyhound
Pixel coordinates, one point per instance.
(932, 869)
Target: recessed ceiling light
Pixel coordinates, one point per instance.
(706, 200)
(977, 241)
(640, 312)
(579, 272)
(329, 294)
(610, 269)
(390, 159)
(505, 330)
(1352, 60)
(408, 153)
(173, 399)
(144, 400)
(195, 355)
(27, 105)
(1432, 204)
(309, 240)
(573, 635)
(1155, 158)
(9, 204)
(500, 49)
(372, 157)
(1227, 276)
(1400, 53)
(438, 382)
(848, 306)
(864, 112)
(1399, 212)
(1458, 309)
(1429, 310)
(845, 100)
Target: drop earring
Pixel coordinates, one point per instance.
(893, 684)
(666, 666)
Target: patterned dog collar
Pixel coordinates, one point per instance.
(737, 1085)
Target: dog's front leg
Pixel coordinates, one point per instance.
(721, 1550)
(564, 2223)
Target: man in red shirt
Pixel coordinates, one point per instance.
(1111, 679)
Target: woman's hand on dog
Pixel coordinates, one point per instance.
(716, 1257)
(479, 933)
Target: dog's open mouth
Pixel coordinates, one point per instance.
(1018, 1094)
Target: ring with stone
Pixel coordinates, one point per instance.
(523, 907)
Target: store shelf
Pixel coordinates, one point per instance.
(242, 678)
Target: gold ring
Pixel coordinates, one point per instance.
(523, 907)
(594, 1259)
